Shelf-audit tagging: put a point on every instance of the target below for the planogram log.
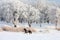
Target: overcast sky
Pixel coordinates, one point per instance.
(31, 1)
(56, 1)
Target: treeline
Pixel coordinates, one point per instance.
(16, 12)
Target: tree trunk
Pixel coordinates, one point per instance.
(40, 24)
(56, 23)
(14, 15)
(29, 24)
(14, 23)
(15, 26)
(48, 21)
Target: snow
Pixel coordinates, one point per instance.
(44, 26)
(52, 34)
(34, 36)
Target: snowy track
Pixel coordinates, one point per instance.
(34, 36)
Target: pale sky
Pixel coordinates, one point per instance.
(31, 1)
(56, 1)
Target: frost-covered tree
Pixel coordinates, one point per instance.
(15, 11)
(57, 22)
(47, 9)
(6, 11)
(31, 15)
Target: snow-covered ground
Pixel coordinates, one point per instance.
(34, 36)
(43, 25)
(51, 34)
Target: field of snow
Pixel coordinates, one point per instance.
(34, 36)
(50, 35)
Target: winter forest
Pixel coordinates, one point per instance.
(29, 20)
(16, 11)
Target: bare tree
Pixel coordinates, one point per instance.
(56, 22)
